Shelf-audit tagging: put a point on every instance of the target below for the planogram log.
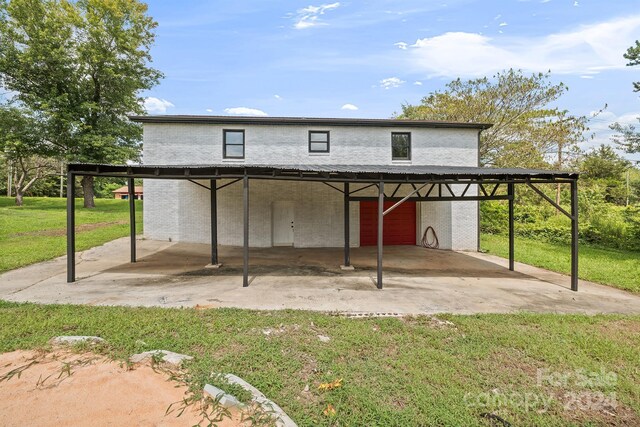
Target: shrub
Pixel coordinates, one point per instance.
(600, 223)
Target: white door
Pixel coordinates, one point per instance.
(282, 219)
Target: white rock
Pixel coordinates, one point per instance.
(324, 338)
(281, 417)
(226, 400)
(75, 339)
(168, 357)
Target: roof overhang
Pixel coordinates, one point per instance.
(306, 121)
(330, 173)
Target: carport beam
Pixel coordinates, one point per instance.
(71, 225)
(132, 218)
(214, 222)
(245, 249)
(347, 242)
(574, 235)
(380, 231)
(511, 193)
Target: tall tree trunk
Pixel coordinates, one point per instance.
(87, 190)
(18, 197)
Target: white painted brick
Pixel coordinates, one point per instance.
(180, 209)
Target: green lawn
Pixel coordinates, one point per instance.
(36, 231)
(608, 266)
(396, 372)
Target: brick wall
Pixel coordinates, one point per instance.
(180, 209)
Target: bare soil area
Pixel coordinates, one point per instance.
(68, 389)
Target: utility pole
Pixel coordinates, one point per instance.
(559, 168)
(637, 162)
(61, 178)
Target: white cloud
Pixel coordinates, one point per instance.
(155, 105)
(245, 111)
(502, 24)
(575, 3)
(278, 97)
(209, 110)
(588, 49)
(401, 45)
(599, 127)
(418, 83)
(308, 17)
(349, 107)
(391, 82)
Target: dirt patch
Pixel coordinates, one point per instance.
(63, 231)
(67, 389)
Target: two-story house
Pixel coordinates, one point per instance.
(296, 213)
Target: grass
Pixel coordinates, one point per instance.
(36, 231)
(395, 372)
(613, 267)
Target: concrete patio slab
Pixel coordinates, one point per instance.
(417, 281)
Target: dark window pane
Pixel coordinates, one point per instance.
(319, 137)
(319, 146)
(235, 150)
(234, 137)
(400, 146)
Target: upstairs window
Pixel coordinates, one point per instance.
(401, 146)
(318, 141)
(233, 144)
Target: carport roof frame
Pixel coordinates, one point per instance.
(336, 173)
(374, 174)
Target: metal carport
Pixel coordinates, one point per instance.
(428, 183)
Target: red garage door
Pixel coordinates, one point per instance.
(399, 224)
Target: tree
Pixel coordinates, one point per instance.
(628, 138)
(25, 149)
(604, 168)
(633, 55)
(526, 128)
(81, 66)
(604, 163)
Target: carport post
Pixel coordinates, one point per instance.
(511, 194)
(380, 230)
(347, 242)
(132, 219)
(214, 222)
(574, 235)
(71, 228)
(245, 268)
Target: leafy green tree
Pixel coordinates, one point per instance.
(527, 130)
(81, 67)
(25, 149)
(604, 163)
(605, 169)
(628, 138)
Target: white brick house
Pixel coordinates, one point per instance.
(302, 214)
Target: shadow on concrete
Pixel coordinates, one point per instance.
(190, 260)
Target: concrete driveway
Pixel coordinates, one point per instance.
(417, 281)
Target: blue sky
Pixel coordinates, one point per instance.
(367, 58)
